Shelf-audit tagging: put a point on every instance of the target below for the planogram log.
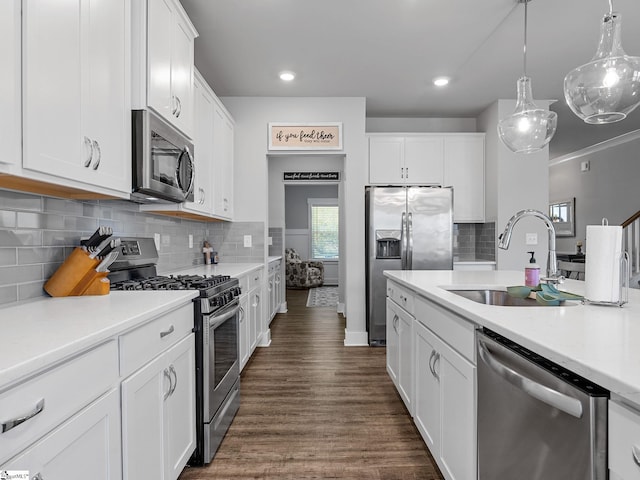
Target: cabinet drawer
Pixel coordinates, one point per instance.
(624, 442)
(139, 346)
(61, 392)
(401, 296)
(454, 330)
(255, 278)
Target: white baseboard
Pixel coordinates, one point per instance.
(265, 340)
(355, 339)
(283, 308)
(340, 308)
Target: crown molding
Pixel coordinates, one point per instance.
(612, 142)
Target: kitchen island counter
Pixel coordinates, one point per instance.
(595, 341)
(40, 333)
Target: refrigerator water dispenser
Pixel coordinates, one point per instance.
(388, 243)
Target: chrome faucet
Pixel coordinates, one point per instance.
(553, 276)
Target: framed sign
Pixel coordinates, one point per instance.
(307, 176)
(305, 136)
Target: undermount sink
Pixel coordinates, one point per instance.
(496, 297)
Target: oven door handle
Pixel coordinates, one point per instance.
(565, 403)
(215, 320)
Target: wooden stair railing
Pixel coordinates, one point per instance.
(631, 241)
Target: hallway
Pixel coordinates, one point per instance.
(312, 408)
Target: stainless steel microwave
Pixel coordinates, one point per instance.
(163, 168)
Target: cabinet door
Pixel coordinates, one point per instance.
(10, 80)
(76, 83)
(424, 160)
(86, 446)
(160, 29)
(142, 421)
(427, 388)
(244, 332)
(393, 339)
(272, 295)
(182, 75)
(179, 407)
(457, 397)
(405, 359)
(386, 160)
(203, 149)
(255, 325)
(223, 133)
(464, 171)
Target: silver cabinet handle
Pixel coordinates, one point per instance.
(406, 172)
(241, 315)
(401, 172)
(88, 145)
(98, 152)
(172, 370)
(174, 105)
(14, 422)
(270, 285)
(179, 110)
(168, 376)
(167, 332)
(432, 363)
(394, 324)
(635, 451)
(278, 279)
(565, 403)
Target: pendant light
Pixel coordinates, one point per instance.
(606, 89)
(529, 128)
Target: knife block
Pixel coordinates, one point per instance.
(78, 276)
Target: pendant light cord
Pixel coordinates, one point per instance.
(610, 6)
(524, 49)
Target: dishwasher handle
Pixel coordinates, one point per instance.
(565, 403)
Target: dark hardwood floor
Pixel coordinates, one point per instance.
(313, 409)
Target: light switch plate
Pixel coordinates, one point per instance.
(190, 241)
(156, 240)
(247, 240)
(531, 239)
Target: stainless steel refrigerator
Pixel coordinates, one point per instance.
(407, 228)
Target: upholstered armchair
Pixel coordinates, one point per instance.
(302, 273)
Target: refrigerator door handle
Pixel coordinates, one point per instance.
(403, 233)
(410, 241)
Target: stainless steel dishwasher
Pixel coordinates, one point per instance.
(536, 420)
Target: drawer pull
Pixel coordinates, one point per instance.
(9, 424)
(635, 450)
(167, 332)
(168, 376)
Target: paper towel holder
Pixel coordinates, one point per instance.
(624, 282)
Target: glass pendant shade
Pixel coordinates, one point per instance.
(606, 89)
(529, 128)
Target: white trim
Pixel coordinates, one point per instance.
(340, 309)
(355, 339)
(612, 142)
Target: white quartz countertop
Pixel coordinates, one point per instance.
(231, 269)
(601, 343)
(36, 334)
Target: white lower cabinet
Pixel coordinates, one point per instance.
(624, 442)
(400, 351)
(158, 398)
(243, 333)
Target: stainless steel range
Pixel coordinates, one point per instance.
(216, 325)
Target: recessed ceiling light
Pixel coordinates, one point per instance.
(287, 76)
(441, 81)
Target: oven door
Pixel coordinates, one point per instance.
(221, 367)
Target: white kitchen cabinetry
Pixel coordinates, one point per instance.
(243, 330)
(273, 288)
(158, 399)
(406, 160)
(76, 93)
(10, 90)
(86, 446)
(64, 414)
(445, 389)
(400, 344)
(251, 308)
(624, 442)
(163, 61)
(223, 151)
(464, 171)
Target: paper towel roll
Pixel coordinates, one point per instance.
(602, 269)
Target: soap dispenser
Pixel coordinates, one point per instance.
(532, 272)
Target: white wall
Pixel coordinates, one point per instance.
(251, 172)
(420, 124)
(514, 182)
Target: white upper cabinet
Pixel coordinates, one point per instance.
(163, 61)
(223, 134)
(399, 160)
(76, 91)
(464, 171)
(10, 44)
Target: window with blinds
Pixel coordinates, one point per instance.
(324, 231)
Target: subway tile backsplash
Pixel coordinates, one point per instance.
(474, 241)
(37, 233)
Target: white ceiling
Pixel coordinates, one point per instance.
(390, 50)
